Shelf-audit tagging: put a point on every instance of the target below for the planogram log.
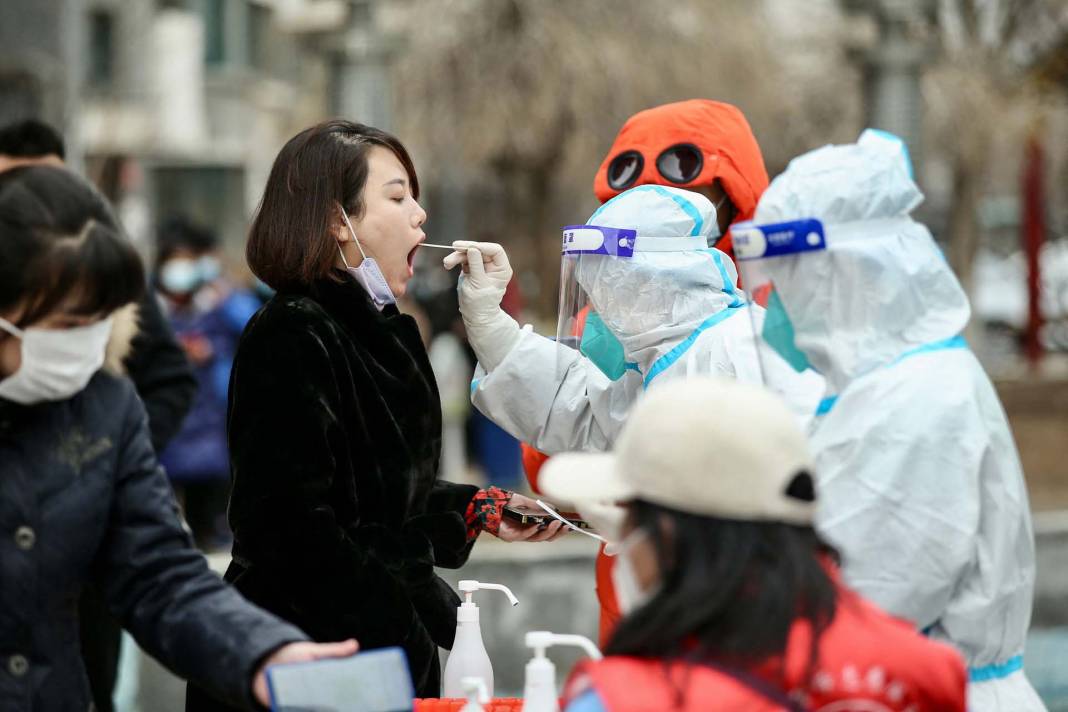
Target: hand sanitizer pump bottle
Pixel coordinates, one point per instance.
(468, 657)
(539, 689)
(475, 692)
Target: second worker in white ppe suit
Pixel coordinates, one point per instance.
(670, 300)
(920, 484)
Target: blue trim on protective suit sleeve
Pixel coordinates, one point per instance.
(666, 361)
(993, 672)
(687, 207)
(588, 701)
(826, 405)
(474, 385)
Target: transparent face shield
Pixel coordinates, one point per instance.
(762, 253)
(580, 326)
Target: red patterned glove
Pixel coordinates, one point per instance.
(485, 511)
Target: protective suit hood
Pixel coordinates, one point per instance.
(721, 133)
(850, 311)
(654, 299)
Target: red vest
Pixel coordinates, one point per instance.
(868, 662)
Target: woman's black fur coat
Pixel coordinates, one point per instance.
(338, 517)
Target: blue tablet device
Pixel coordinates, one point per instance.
(375, 681)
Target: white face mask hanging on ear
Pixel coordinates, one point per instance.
(56, 363)
(368, 274)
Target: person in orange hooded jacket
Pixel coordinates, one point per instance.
(701, 145)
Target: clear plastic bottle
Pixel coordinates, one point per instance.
(539, 688)
(476, 694)
(468, 657)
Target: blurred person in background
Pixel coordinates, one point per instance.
(156, 364)
(700, 145)
(920, 482)
(337, 512)
(730, 599)
(30, 143)
(208, 313)
(452, 370)
(82, 493)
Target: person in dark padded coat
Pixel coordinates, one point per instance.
(82, 498)
(334, 416)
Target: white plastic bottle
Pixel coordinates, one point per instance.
(475, 692)
(539, 688)
(468, 657)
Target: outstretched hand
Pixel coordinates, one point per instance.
(512, 530)
(486, 273)
(298, 653)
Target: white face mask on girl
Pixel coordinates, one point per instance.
(56, 363)
(629, 593)
(368, 274)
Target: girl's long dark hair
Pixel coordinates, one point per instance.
(731, 590)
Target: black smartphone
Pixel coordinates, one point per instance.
(537, 515)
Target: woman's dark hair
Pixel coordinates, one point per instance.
(58, 238)
(290, 242)
(731, 590)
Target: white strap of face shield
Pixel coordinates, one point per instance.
(670, 244)
(837, 233)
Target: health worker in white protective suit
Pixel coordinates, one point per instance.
(919, 481)
(649, 280)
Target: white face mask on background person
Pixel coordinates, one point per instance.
(629, 593)
(180, 276)
(56, 363)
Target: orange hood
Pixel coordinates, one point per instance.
(731, 153)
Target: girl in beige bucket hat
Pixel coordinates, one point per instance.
(731, 600)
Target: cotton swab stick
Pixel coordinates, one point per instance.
(440, 247)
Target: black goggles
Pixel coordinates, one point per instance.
(680, 164)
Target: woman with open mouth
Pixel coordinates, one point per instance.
(334, 418)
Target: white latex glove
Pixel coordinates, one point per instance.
(486, 273)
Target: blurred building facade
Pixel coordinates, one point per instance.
(179, 106)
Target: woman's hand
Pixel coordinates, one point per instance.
(298, 653)
(512, 530)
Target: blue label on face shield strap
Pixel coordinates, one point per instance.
(596, 240)
(788, 238)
